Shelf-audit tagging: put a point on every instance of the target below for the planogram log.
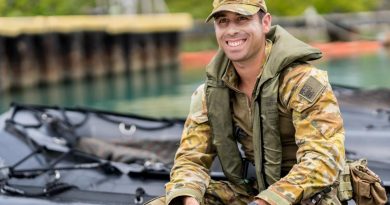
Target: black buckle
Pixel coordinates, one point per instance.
(249, 176)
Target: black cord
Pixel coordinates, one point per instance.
(37, 151)
(68, 121)
(107, 167)
(38, 112)
(50, 189)
(167, 123)
(12, 120)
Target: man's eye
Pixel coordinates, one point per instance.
(242, 18)
(222, 20)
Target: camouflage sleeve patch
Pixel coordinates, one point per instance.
(198, 108)
(312, 89)
(302, 86)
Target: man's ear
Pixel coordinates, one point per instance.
(266, 22)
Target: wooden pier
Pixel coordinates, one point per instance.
(46, 50)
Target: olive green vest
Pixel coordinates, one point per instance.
(286, 50)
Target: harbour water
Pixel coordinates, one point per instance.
(167, 92)
(366, 71)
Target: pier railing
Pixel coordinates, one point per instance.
(45, 50)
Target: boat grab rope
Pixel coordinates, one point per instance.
(166, 124)
(50, 189)
(53, 187)
(43, 116)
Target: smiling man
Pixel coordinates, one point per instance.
(263, 104)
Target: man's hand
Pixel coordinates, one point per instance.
(188, 200)
(261, 202)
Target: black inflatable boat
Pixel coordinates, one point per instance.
(56, 155)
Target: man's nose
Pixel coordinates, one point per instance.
(232, 29)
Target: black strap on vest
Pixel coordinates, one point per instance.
(249, 170)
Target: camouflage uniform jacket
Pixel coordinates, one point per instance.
(319, 137)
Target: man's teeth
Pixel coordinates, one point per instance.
(235, 43)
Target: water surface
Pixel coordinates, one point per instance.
(167, 92)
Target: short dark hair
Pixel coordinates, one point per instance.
(261, 14)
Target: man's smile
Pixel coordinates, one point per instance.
(235, 43)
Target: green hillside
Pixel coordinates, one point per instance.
(44, 7)
(200, 9)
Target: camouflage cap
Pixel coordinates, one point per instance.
(245, 7)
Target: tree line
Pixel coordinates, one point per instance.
(282, 7)
(194, 7)
(45, 7)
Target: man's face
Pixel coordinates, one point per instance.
(241, 37)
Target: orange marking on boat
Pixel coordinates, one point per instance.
(198, 60)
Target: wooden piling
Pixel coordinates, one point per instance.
(26, 70)
(77, 66)
(49, 50)
(149, 51)
(53, 66)
(163, 49)
(174, 48)
(135, 54)
(117, 54)
(96, 63)
(4, 67)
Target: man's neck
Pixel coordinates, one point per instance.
(248, 72)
